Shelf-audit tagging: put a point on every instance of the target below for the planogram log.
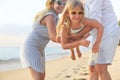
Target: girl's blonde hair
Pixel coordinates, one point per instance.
(48, 8)
(65, 20)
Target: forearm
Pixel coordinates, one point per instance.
(53, 37)
(74, 40)
(81, 34)
(85, 30)
(99, 35)
(70, 45)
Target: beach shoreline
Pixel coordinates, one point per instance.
(64, 69)
(8, 65)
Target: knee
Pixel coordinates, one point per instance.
(91, 69)
(39, 77)
(101, 68)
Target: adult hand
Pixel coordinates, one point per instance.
(95, 48)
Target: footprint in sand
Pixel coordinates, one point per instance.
(85, 73)
(76, 69)
(58, 75)
(67, 76)
(80, 79)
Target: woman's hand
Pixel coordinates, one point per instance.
(58, 39)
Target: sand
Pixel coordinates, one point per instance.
(65, 69)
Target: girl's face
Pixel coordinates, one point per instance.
(59, 5)
(75, 14)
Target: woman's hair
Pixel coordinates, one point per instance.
(65, 20)
(48, 8)
(48, 4)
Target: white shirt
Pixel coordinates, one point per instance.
(102, 11)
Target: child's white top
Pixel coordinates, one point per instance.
(75, 31)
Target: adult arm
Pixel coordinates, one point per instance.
(51, 25)
(95, 24)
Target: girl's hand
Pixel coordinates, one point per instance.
(95, 48)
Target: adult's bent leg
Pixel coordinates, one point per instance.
(103, 71)
(37, 75)
(93, 74)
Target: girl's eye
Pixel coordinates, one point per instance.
(73, 12)
(80, 13)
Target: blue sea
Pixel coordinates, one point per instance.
(8, 53)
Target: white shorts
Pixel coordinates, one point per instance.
(107, 49)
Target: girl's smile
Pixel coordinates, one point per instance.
(76, 14)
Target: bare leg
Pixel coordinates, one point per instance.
(93, 74)
(78, 52)
(103, 72)
(72, 54)
(37, 75)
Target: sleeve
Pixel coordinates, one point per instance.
(95, 9)
(43, 14)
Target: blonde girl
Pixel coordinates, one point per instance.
(73, 21)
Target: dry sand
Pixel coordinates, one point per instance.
(65, 69)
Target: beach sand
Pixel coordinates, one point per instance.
(65, 69)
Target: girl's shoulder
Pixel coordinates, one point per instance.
(64, 28)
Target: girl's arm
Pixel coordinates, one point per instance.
(87, 29)
(81, 34)
(65, 42)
